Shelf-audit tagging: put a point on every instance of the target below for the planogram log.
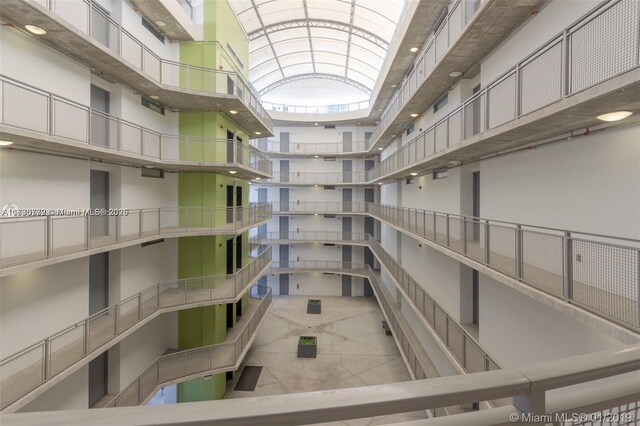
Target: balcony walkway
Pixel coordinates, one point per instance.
(33, 370)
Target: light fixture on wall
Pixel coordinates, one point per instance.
(233, 111)
(413, 50)
(34, 29)
(614, 116)
(6, 143)
(455, 74)
(414, 115)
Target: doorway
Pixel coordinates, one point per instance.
(476, 205)
(100, 106)
(229, 203)
(230, 257)
(238, 252)
(98, 300)
(230, 146)
(475, 280)
(347, 197)
(240, 150)
(99, 199)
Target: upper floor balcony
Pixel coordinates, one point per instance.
(85, 32)
(559, 89)
(176, 15)
(288, 148)
(354, 178)
(319, 207)
(59, 125)
(467, 32)
(29, 242)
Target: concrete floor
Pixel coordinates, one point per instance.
(353, 351)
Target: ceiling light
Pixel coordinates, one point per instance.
(233, 111)
(258, 133)
(315, 214)
(380, 148)
(148, 166)
(160, 23)
(258, 178)
(6, 143)
(455, 74)
(357, 124)
(413, 174)
(379, 183)
(614, 116)
(156, 97)
(232, 172)
(393, 136)
(394, 85)
(35, 29)
(315, 124)
(414, 115)
(315, 186)
(316, 156)
(413, 49)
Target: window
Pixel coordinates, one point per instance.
(235, 55)
(440, 174)
(152, 173)
(152, 29)
(329, 187)
(330, 126)
(410, 129)
(153, 106)
(329, 158)
(440, 103)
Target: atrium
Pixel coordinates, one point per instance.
(346, 212)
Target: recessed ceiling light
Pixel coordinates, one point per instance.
(357, 124)
(455, 74)
(233, 111)
(393, 136)
(232, 172)
(380, 148)
(315, 214)
(614, 116)
(6, 143)
(315, 124)
(148, 166)
(258, 133)
(379, 183)
(154, 97)
(316, 156)
(258, 178)
(394, 85)
(413, 49)
(35, 29)
(414, 174)
(160, 23)
(315, 186)
(414, 115)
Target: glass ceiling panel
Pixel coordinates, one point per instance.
(346, 39)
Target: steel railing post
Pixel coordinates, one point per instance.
(464, 235)
(87, 231)
(448, 232)
(140, 223)
(116, 320)
(46, 368)
(567, 273)
(518, 253)
(487, 239)
(49, 236)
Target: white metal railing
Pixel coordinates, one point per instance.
(310, 236)
(337, 266)
(318, 178)
(36, 365)
(446, 35)
(91, 19)
(324, 109)
(583, 55)
(466, 349)
(53, 115)
(187, 364)
(320, 207)
(596, 272)
(311, 148)
(31, 239)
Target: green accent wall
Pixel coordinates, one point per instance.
(205, 256)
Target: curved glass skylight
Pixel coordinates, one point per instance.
(343, 40)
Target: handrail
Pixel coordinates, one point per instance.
(54, 115)
(321, 207)
(162, 71)
(311, 148)
(319, 178)
(573, 266)
(69, 231)
(311, 236)
(42, 361)
(517, 92)
(316, 109)
(190, 363)
(317, 265)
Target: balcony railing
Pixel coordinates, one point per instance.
(596, 272)
(53, 115)
(454, 24)
(319, 207)
(311, 148)
(92, 20)
(310, 236)
(331, 266)
(31, 239)
(41, 362)
(324, 109)
(458, 341)
(184, 365)
(567, 64)
(318, 178)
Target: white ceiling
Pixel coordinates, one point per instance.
(343, 40)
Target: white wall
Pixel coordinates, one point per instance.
(70, 394)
